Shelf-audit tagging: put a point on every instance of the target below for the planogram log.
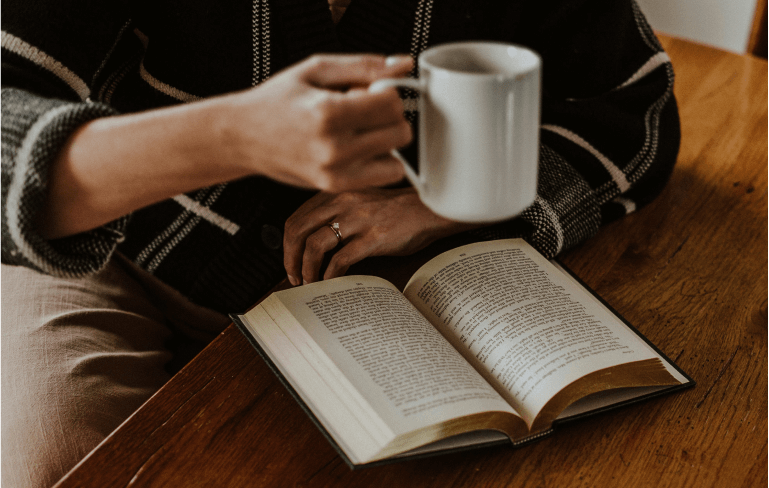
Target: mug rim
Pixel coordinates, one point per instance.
(435, 50)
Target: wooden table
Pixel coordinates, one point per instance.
(690, 271)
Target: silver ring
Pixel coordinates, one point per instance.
(334, 226)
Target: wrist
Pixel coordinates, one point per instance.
(237, 135)
(210, 142)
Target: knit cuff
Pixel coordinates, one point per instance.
(34, 130)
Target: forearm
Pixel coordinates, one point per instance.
(301, 128)
(113, 166)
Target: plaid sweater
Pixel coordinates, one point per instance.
(609, 135)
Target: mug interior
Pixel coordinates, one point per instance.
(481, 58)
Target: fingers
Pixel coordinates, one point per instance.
(381, 141)
(359, 135)
(345, 71)
(357, 108)
(381, 171)
(349, 118)
(318, 244)
(365, 110)
(374, 222)
(304, 222)
(350, 132)
(346, 256)
(308, 240)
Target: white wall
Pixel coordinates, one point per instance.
(721, 23)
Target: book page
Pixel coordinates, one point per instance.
(391, 356)
(675, 373)
(517, 318)
(360, 436)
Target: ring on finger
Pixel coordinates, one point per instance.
(334, 226)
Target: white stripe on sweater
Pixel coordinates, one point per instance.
(165, 88)
(30, 52)
(629, 205)
(654, 113)
(160, 238)
(160, 256)
(261, 41)
(653, 63)
(616, 174)
(155, 83)
(206, 213)
(644, 29)
(421, 32)
(190, 221)
(553, 219)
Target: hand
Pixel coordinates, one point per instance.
(374, 222)
(314, 125)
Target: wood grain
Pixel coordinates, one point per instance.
(689, 270)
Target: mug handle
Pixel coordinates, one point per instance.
(417, 85)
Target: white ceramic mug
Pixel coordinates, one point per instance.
(479, 129)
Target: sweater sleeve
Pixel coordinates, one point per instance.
(50, 52)
(610, 130)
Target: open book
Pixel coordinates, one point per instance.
(488, 343)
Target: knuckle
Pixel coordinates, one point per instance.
(371, 61)
(317, 61)
(314, 244)
(290, 229)
(311, 246)
(326, 183)
(347, 199)
(379, 233)
(373, 66)
(325, 113)
(326, 153)
(334, 181)
(340, 261)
